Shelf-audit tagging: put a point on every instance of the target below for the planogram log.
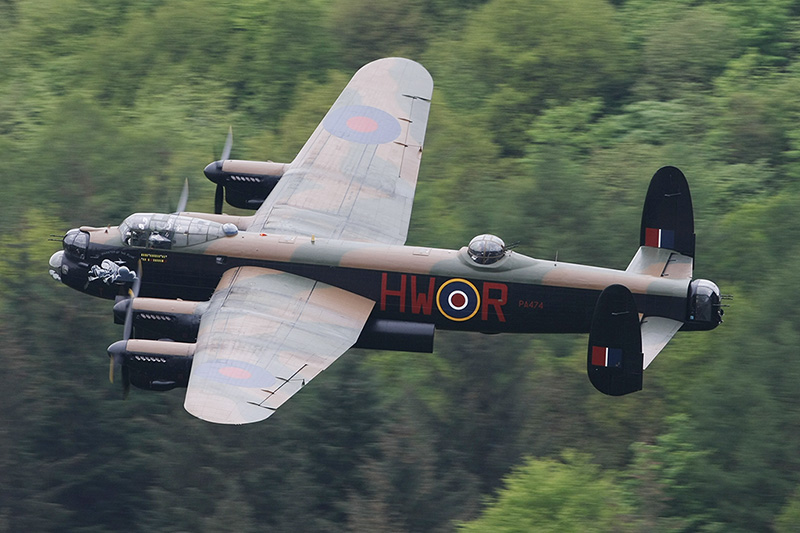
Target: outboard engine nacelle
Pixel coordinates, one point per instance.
(247, 183)
(705, 307)
(154, 365)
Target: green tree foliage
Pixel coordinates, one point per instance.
(548, 120)
(514, 56)
(672, 60)
(571, 495)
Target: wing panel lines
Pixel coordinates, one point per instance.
(267, 333)
(355, 177)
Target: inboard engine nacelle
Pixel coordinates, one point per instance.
(247, 183)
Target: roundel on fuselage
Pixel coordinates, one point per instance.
(458, 299)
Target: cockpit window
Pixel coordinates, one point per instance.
(163, 232)
(486, 249)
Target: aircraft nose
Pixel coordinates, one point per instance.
(55, 264)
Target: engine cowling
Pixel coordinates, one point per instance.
(156, 318)
(247, 183)
(155, 365)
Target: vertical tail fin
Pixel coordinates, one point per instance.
(668, 217)
(615, 360)
(666, 241)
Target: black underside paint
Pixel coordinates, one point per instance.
(519, 308)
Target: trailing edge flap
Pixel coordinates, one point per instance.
(667, 217)
(656, 333)
(615, 360)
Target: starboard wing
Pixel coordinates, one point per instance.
(355, 177)
(265, 334)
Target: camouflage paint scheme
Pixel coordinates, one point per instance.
(280, 295)
(532, 298)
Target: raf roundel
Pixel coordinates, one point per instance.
(362, 124)
(236, 373)
(458, 299)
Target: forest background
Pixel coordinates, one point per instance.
(548, 120)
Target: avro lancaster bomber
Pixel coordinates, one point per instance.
(243, 311)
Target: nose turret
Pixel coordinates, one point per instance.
(56, 260)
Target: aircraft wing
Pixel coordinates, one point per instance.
(355, 177)
(265, 334)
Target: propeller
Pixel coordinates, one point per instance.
(116, 356)
(218, 197)
(226, 153)
(184, 197)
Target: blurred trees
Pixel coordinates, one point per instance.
(554, 496)
(548, 120)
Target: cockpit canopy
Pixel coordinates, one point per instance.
(164, 232)
(486, 249)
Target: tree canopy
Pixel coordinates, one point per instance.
(548, 120)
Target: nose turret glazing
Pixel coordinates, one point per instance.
(56, 260)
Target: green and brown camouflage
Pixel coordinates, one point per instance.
(261, 304)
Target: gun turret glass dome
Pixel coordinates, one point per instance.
(486, 249)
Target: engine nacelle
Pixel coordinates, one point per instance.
(156, 318)
(155, 365)
(705, 307)
(247, 183)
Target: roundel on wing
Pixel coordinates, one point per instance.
(458, 299)
(362, 124)
(237, 373)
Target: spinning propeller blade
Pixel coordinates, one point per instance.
(117, 359)
(226, 152)
(184, 197)
(219, 195)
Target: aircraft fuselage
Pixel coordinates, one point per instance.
(416, 284)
